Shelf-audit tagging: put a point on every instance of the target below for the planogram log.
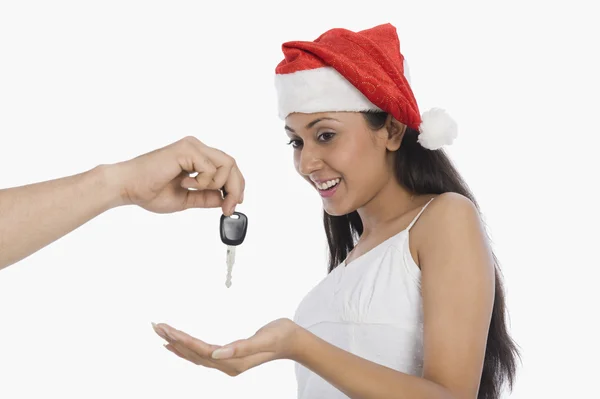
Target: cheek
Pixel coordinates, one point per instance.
(366, 171)
(361, 161)
(346, 158)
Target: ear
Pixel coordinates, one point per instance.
(395, 131)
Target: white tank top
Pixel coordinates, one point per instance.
(372, 308)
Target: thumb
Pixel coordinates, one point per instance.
(237, 349)
(258, 343)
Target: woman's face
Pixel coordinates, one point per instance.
(345, 161)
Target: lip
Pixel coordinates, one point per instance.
(329, 192)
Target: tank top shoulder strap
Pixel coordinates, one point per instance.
(418, 215)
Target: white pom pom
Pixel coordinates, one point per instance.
(437, 129)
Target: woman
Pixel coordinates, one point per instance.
(413, 305)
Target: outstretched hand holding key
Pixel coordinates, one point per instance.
(160, 181)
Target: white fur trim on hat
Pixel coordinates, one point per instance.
(324, 89)
(318, 90)
(437, 129)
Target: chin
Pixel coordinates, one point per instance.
(337, 209)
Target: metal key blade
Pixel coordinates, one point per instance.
(230, 262)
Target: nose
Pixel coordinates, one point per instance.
(309, 160)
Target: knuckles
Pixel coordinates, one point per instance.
(191, 144)
(191, 140)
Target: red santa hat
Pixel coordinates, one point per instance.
(356, 71)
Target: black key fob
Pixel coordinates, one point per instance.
(233, 228)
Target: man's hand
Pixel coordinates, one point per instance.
(160, 181)
(35, 215)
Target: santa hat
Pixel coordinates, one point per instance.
(356, 71)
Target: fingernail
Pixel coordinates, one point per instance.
(222, 353)
(159, 331)
(163, 333)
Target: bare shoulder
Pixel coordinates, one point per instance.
(448, 210)
(451, 219)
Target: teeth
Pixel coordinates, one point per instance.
(328, 184)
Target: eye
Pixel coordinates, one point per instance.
(326, 136)
(295, 143)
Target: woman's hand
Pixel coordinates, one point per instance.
(276, 340)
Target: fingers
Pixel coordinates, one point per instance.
(221, 164)
(175, 336)
(194, 160)
(186, 354)
(192, 349)
(227, 176)
(238, 349)
(203, 199)
(235, 187)
(215, 170)
(202, 354)
(231, 367)
(229, 351)
(185, 346)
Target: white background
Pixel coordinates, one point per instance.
(85, 83)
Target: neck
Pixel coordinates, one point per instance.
(387, 205)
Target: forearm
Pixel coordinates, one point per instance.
(35, 215)
(359, 378)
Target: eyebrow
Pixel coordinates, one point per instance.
(311, 124)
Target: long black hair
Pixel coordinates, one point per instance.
(424, 171)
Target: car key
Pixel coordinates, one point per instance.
(233, 231)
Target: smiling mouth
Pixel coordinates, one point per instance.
(328, 185)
